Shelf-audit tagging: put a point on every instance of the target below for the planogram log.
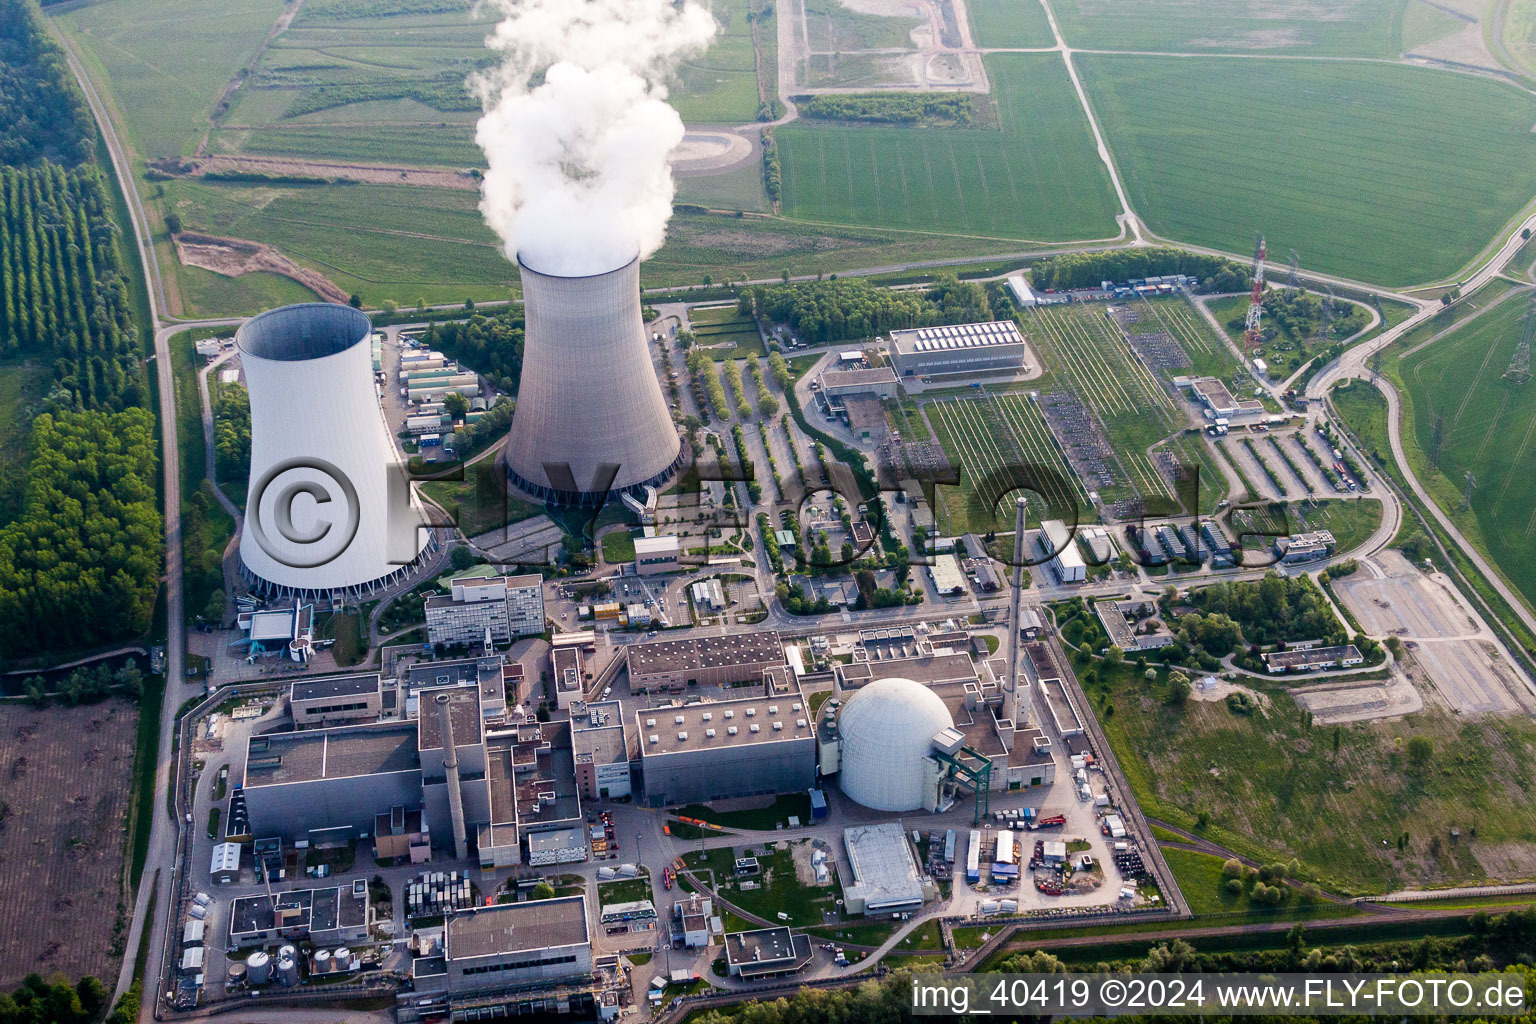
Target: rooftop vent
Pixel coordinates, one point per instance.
(709, 734)
(650, 723)
(756, 728)
(708, 716)
(773, 709)
(778, 726)
(731, 731)
(730, 714)
(795, 706)
(751, 712)
(682, 737)
(800, 723)
(655, 738)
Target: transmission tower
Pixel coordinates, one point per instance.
(1466, 495)
(1327, 318)
(1519, 371)
(1293, 281)
(1256, 305)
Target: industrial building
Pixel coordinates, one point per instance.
(673, 665)
(1055, 543)
(329, 509)
(590, 418)
(959, 348)
(718, 750)
(327, 917)
(517, 945)
(1220, 403)
(569, 674)
(601, 747)
(333, 700)
(1098, 544)
(274, 632)
(1117, 616)
(1304, 547)
(837, 385)
(657, 554)
(766, 953)
(946, 575)
(467, 782)
(477, 608)
(886, 879)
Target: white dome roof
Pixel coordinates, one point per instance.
(887, 729)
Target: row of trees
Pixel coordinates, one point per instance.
(54, 1001)
(232, 432)
(81, 564)
(822, 311)
(493, 345)
(1088, 269)
(62, 288)
(43, 116)
(941, 109)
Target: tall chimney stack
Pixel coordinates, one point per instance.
(451, 768)
(1011, 707)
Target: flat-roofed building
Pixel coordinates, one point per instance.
(1220, 402)
(657, 554)
(672, 665)
(837, 385)
(959, 348)
(1055, 542)
(569, 674)
(1304, 547)
(947, 577)
(501, 606)
(329, 916)
(1098, 544)
(332, 700)
(719, 750)
(601, 746)
(766, 953)
(300, 782)
(1116, 617)
(886, 879)
(517, 945)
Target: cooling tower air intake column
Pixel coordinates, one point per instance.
(451, 768)
(590, 417)
(329, 508)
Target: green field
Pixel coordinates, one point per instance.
(1465, 416)
(1355, 28)
(719, 86)
(1009, 23)
(1039, 178)
(165, 63)
(1275, 787)
(1362, 168)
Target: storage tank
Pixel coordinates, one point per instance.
(328, 508)
(258, 967)
(287, 973)
(287, 951)
(887, 730)
(342, 958)
(235, 973)
(588, 402)
(322, 961)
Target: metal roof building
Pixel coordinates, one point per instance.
(329, 507)
(589, 400)
(959, 348)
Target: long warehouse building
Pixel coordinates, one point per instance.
(960, 348)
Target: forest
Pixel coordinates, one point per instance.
(81, 565)
(1276, 609)
(822, 311)
(42, 114)
(492, 346)
(55, 1001)
(1089, 269)
(232, 433)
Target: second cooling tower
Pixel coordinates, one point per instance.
(329, 509)
(589, 403)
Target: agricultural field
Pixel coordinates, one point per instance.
(720, 86)
(1464, 416)
(1520, 33)
(1009, 23)
(1038, 178)
(1366, 174)
(165, 64)
(1350, 28)
(63, 813)
(1277, 787)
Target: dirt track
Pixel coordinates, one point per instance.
(233, 257)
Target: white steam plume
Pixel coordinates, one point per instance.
(577, 131)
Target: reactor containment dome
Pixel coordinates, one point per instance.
(329, 508)
(887, 730)
(590, 418)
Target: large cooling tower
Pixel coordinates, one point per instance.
(329, 508)
(589, 400)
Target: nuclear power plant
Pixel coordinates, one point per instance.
(590, 420)
(329, 509)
